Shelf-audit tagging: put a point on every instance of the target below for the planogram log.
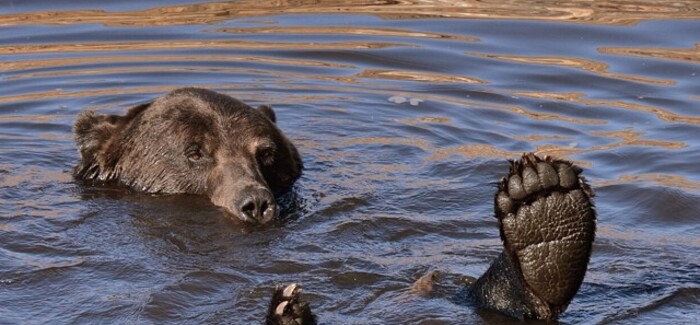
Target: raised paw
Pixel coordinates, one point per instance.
(287, 308)
(547, 224)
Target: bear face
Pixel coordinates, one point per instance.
(193, 141)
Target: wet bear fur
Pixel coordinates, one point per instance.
(193, 141)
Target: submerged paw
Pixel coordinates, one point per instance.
(287, 308)
(547, 223)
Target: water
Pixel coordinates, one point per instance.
(404, 113)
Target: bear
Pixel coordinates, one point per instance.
(193, 141)
(198, 141)
(547, 224)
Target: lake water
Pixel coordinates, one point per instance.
(405, 113)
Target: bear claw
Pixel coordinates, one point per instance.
(289, 290)
(287, 308)
(533, 177)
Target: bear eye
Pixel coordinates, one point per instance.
(194, 156)
(193, 153)
(266, 154)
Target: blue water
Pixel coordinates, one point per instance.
(404, 114)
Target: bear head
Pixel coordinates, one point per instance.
(193, 141)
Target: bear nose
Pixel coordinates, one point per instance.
(257, 204)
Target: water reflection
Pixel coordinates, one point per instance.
(175, 45)
(690, 54)
(599, 12)
(599, 68)
(665, 180)
(87, 60)
(580, 99)
(350, 30)
(416, 76)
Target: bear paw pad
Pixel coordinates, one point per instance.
(547, 224)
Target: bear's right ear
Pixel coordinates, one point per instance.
(268, 111)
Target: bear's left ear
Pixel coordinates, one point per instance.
(93, 132)
(268, 111)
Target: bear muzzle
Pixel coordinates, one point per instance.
(252, 203)
(255, 204)
(238, 186)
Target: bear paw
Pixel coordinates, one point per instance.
(286, 307)
(547, 224)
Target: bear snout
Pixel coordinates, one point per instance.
(256, 204)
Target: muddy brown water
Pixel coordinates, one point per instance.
(405, 113)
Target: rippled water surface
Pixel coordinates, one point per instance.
(405, 113)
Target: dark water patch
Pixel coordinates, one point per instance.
(677, 306)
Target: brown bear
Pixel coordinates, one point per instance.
(547, 223)
(198, 141)
(193, 141)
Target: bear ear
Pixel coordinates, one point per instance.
(93, 132)
(92, 129)
(268, 111)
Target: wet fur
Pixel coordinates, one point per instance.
(146, 149)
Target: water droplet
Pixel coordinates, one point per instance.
(415, 101)
(397, 99)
